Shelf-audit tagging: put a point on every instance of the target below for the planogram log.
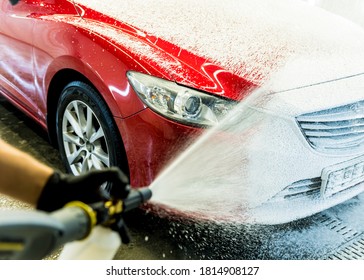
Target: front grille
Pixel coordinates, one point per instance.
(339, 129)
(300, 189)
(310, 189)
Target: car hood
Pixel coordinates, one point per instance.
(286, 42)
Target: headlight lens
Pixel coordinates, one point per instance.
(177, 102)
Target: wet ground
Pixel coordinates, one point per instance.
(334, 234)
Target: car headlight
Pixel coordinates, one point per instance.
(177, 102)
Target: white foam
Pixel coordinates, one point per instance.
(294, 42)
(249, 38)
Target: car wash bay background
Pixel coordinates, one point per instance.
(334, 234)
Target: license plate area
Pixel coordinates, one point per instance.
(342, 176)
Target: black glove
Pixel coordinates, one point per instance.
(62, 188)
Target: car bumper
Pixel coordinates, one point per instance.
(151, 142)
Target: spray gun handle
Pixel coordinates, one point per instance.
(35, 234)
(78, 219)
(110, 213)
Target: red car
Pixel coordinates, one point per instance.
(131, 83)
(77, 72)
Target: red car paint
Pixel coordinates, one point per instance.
(42, 44)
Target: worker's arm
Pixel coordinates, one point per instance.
(25, 178)
(21, 176)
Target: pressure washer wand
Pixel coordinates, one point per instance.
(110, 213)
(35, 234)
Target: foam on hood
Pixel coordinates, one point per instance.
(252, 39)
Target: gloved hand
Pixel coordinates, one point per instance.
(63, 188)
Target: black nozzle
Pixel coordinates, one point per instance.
(136, 198)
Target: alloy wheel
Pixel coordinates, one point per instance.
(84, 140)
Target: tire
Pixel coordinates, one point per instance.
(87, 135)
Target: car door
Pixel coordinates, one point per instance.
(16, 52)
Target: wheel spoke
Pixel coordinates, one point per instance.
(71, 138)
(74, 123)
(97, 135)
(89, 128)
(85, 164)
(80, 115)
(101, 156)
(89, 165)
(74, 157)
(96, 162)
